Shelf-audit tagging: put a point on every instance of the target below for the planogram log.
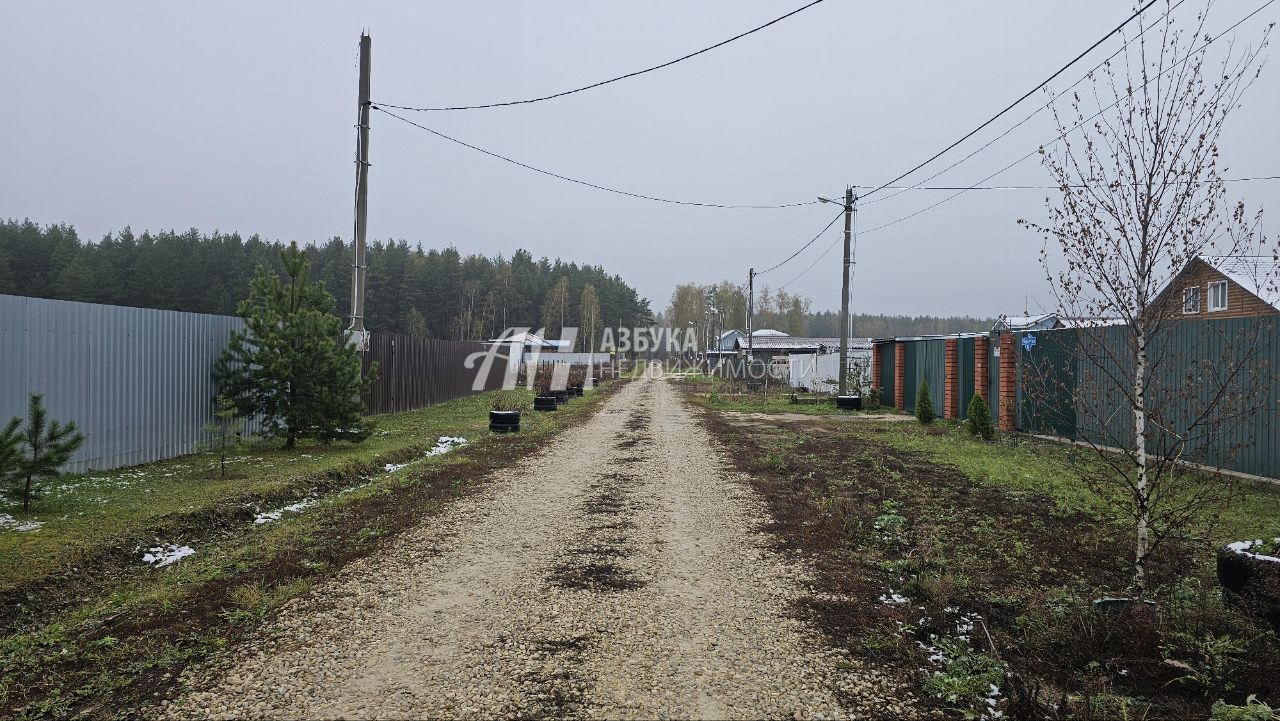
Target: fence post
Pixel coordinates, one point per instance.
(1008, 382)
(899, 375)
(981, 349)
(951, 385)
(875, 368)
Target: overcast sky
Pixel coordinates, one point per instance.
(238, 116)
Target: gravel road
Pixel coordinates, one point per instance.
(617, 574)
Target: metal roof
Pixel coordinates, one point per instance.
(1258, 274)
(798, 343)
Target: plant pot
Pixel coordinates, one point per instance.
(576, 390)
(560, 396)
(545, 403)
(595, 381)
(504, 421)
(849, 403)
(1250, 581)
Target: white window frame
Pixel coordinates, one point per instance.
(1188, 294)
(1217, 284)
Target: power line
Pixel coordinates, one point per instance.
(904, 188)
(596, 186)
(806, 245)
(563, 93)
(1032, 114)
(978, 185)
(1026, 95)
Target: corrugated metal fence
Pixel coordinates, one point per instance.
(1214, 400)
(419, 372)
(139, 382)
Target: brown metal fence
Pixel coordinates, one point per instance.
(419, 372)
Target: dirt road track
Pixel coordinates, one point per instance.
(617, 574)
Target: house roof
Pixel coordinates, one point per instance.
(767, 333)
(525, 338)
(730, 332)
(1258, 274)
(793, 343)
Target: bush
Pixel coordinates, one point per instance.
(924, 404)
(872, 401)
(980, 418)
(510, 400)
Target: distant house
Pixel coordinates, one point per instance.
(725, 344)
(529, 342)
(766, 347)
(1237, 286)
(1050, 321)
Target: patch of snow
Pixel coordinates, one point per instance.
(443, 445)
(10, 523)
(1244, 548)
(893, 598)
(269, 516)
(165, 554)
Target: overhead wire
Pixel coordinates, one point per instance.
(978, 185)
(802, 248)
(1020, 123)
(585, 183)
(1143, 8)
(563, 93)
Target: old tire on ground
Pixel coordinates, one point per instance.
(849, 403)
(560, 396)
(544, 403)
(504, 421)
(576, 390)
(1251, 584)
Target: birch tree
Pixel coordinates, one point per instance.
(1141, 195)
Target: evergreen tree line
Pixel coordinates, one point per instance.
(791, 314)
(435, 293)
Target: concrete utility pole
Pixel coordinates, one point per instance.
(359, 265)
(751, 314)
(850, 208)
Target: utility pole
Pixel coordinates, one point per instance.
(850, 207)
(359, 265)
(751, 314)
(844, 293)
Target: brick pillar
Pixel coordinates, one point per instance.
(951, 386)
(981, 349)
(875, 368)
(1008, 383)
(899, 375)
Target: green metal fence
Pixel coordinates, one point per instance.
(1213, 393)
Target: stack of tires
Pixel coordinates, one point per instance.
(504, 421)
(544, 403)
(560, 396)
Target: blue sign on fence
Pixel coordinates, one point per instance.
(1028, 341)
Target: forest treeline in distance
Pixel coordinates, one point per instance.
(725, 304)
(433, 293)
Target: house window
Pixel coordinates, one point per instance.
(1191, 300)
(1218, 296)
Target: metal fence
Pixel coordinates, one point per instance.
(1214, 397)
(419, 372)
(138, 382)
